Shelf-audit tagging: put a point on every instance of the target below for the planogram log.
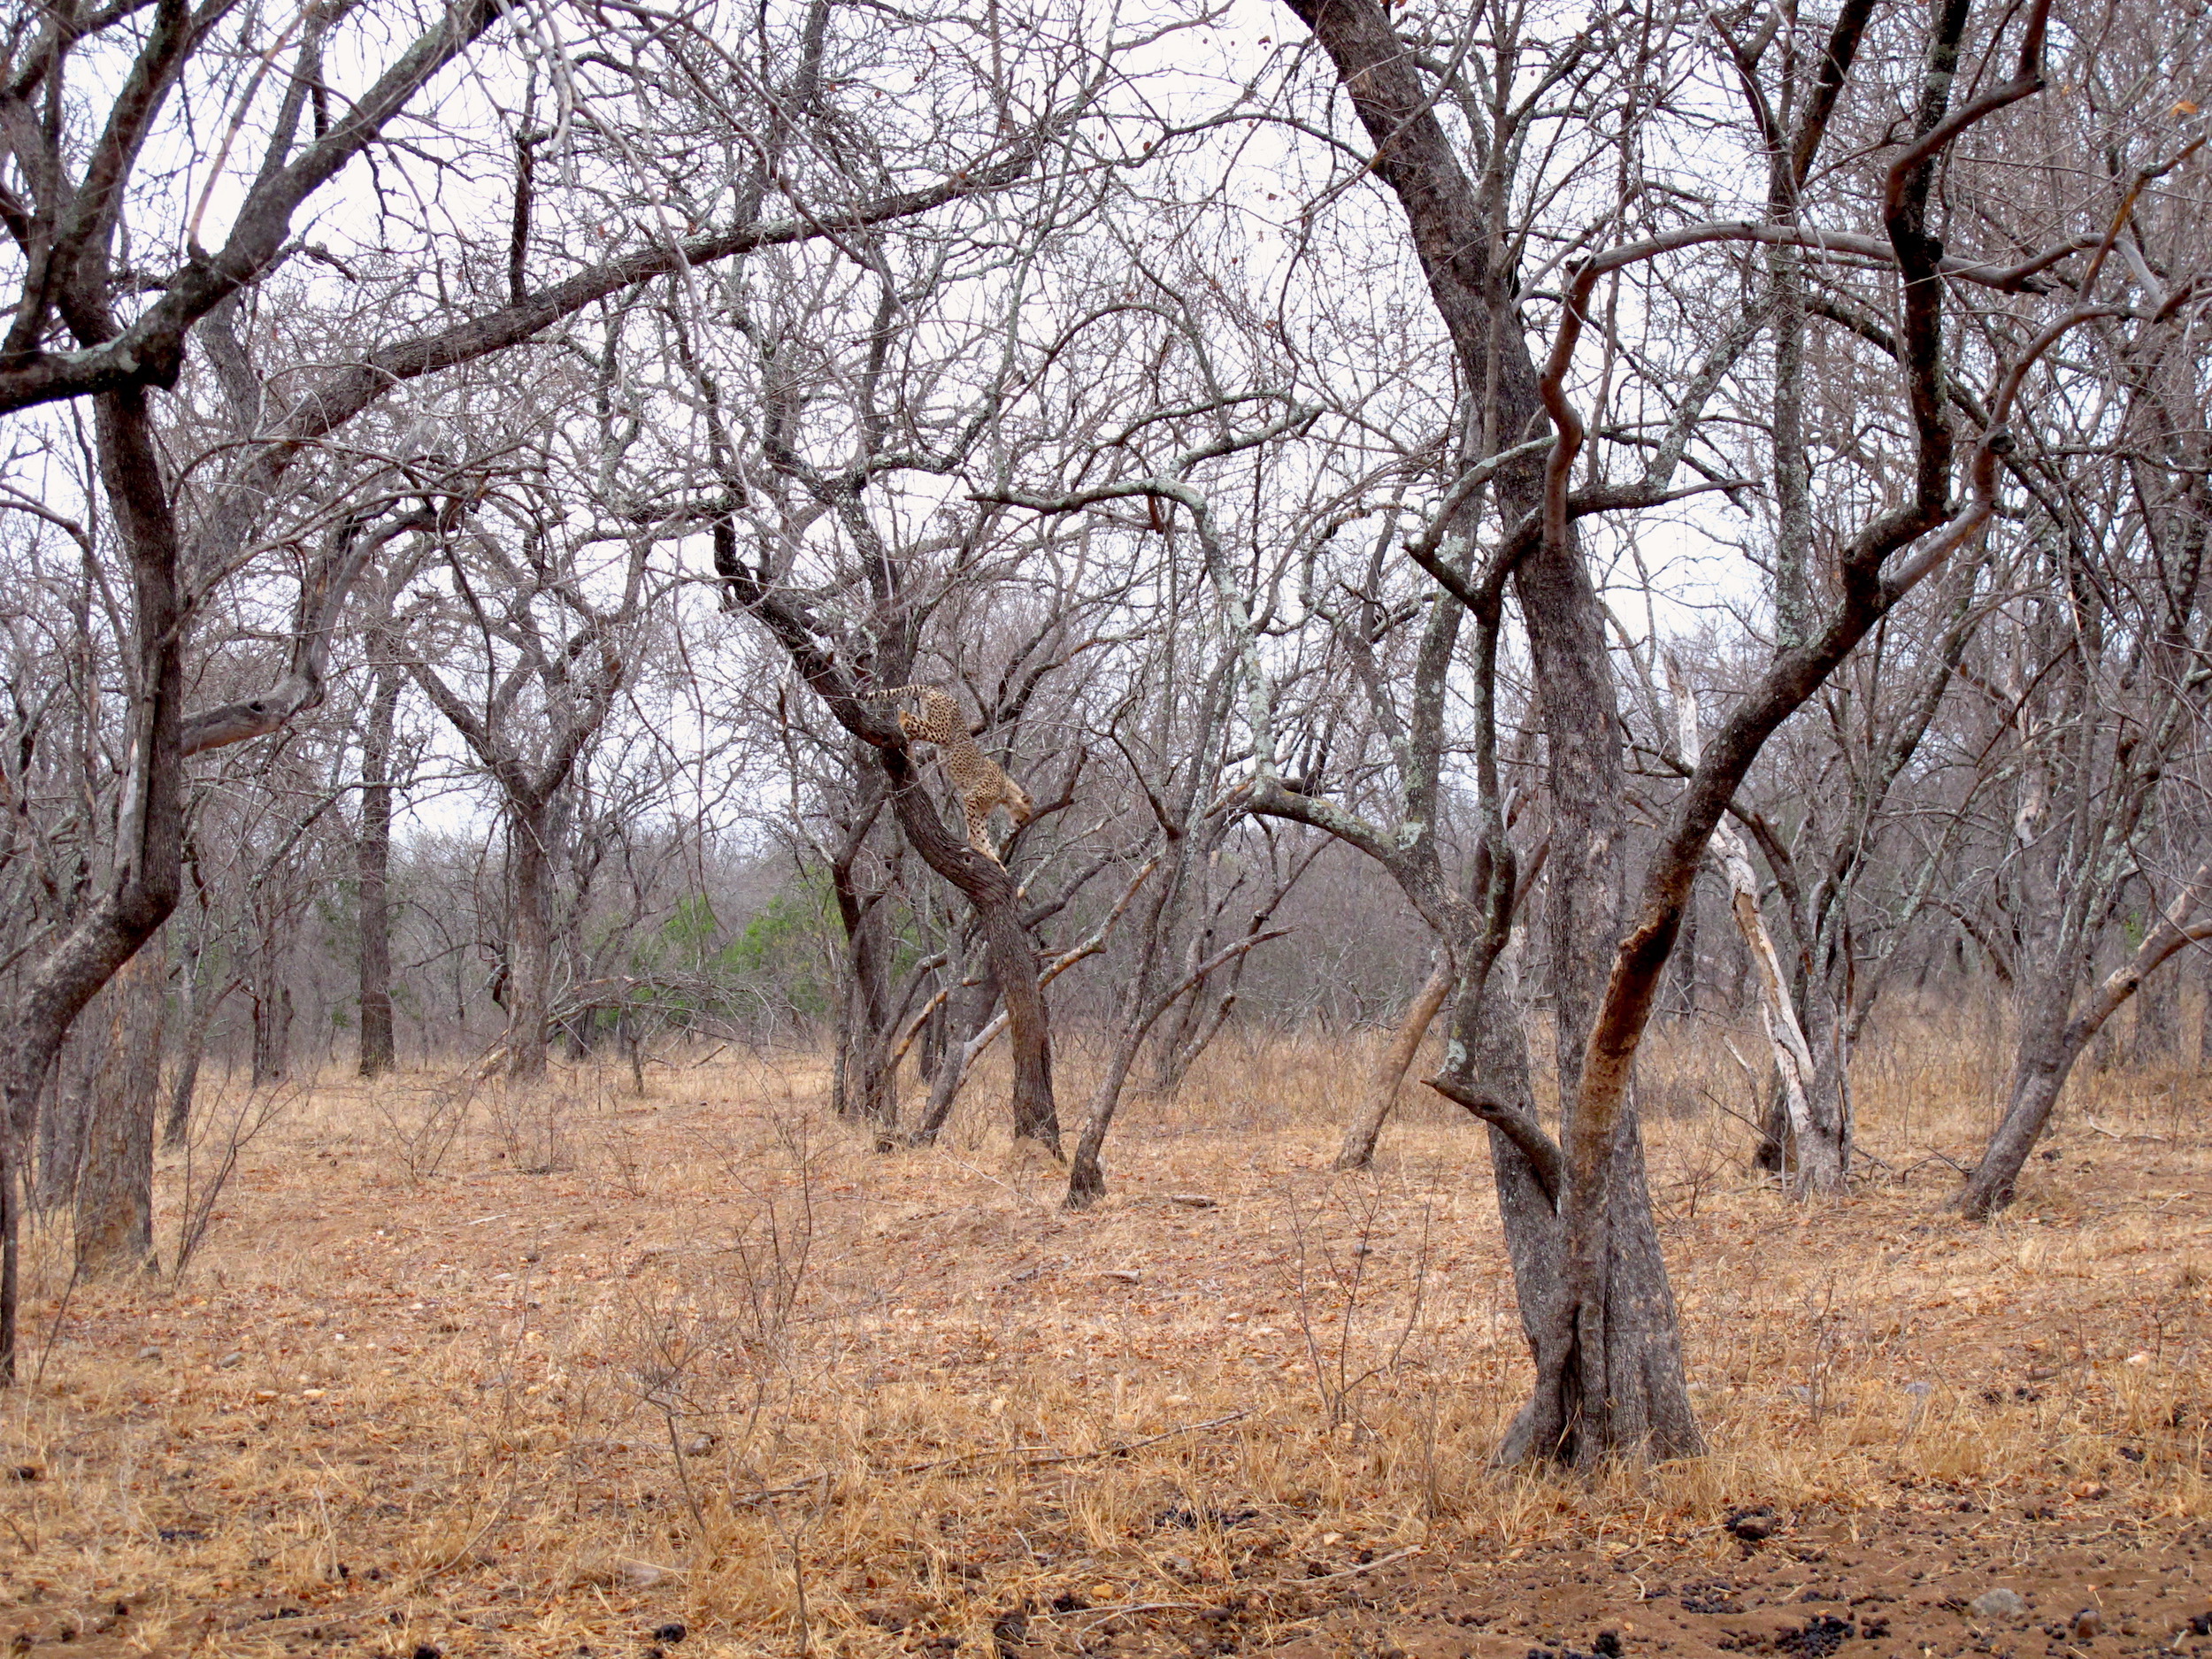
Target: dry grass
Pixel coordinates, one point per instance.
(540, 1374)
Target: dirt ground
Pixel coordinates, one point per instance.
(569, 1372)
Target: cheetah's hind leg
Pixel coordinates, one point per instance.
(980, 831)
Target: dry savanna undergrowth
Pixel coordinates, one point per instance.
(556, 1372)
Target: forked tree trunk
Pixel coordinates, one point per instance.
(1391, 1066)
(1087, 1175)
(1143, 1002)
(1615, 1328)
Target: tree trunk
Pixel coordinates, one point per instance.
(1631, 1394)
(199, 1014)
(1086, 1177)
(529, 940)
(2204, 1025)
(967, 1015)
(866, 1086)
(61, 1121)
(272, 1021)
(149, 823)
(1391, 1066)
(1142, 1004)
(115, 1173)
(2157, 1024)
(929, 1053)
(1014, 965)
(1188, 1033)
(2050, 1043)
(1685, 962)
(373, 855)
(1818, 1158)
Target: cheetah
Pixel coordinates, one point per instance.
(975, 778)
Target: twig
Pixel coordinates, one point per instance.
(1131, 1445)
(1102, 1614)
(969, 1457)
(2114, 1134)
(1365, 1566)
(53, 1332)
(1032, 1457)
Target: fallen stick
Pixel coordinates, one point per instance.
(1365, 1566)
(1050, 1458)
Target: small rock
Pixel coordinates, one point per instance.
(150, 1353)
(672, 1632)
(1608, 1645)
(1194, 1200)
(643, 1574)
(1997, 1604)
(1127, 1275)
(2201, 1625)
(2088, 1625)
(699, 1446)
(230, 1359)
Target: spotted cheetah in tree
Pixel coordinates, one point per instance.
(975, 777)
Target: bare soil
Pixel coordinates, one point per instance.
(589, 1368)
